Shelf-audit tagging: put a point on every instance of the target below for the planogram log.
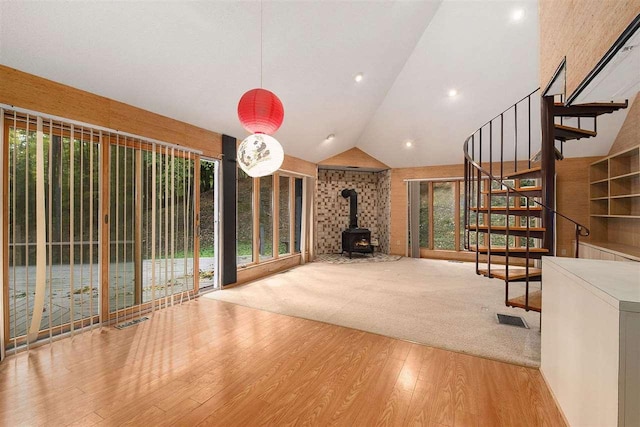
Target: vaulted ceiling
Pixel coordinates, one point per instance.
(193, 60)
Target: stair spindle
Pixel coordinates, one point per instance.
(515, 139)
(526, 265)
(529, 102)
(506, 255)
(491, 147)
(501, 146)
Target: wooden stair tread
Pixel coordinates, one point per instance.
(566, 133)
(504, 208)
(592, 109)
(520, 189)
(504, 228)
(535, 301)
(515, 273)
(484, 249)
(520, 173)
(604, 104)
(596, 104)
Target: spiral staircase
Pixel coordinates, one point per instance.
(509, 191)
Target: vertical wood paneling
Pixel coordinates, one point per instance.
(354, 157)
(581, 30)
(629, 135)
(572, 199)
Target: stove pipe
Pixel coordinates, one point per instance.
(353, 206)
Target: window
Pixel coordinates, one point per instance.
(284, 215)
(266, 218)
(298, 215)
(444, 218)
(244, 229)
(275, 227)
(441, 215)
(425, 220)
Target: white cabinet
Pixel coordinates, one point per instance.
(590, 350)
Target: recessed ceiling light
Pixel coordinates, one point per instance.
(358, 78)
(453, 92)
(330, 137)
(408, 144)
(517, 15)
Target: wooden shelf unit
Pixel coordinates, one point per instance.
(614, 189)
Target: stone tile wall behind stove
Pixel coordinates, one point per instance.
(384, 210)
(332, 210)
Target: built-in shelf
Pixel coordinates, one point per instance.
(614, 189)
(623, 196)
(627, 175)
(599, 170)
(616, 216)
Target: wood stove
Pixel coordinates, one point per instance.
(355, 239)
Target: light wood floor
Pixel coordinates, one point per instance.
(214, 363)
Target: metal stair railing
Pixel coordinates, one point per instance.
(476, 175)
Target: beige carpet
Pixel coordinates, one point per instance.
(438, 303)
(356, 258)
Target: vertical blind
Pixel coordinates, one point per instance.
(56, 277)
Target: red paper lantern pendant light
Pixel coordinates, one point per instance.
(260, 111)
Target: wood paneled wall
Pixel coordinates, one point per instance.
(572, 200)
(354, 157)
(35, 93)
(629, 135)
(581, 30)
(294, 164)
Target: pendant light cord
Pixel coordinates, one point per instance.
(260, 44)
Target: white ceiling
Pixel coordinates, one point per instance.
(193, 60)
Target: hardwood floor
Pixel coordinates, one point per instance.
(214, 363)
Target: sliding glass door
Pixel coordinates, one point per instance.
(437, 208)
(152, 215)
(52, 180)
(98, 226)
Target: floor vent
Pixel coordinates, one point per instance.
(505, 319)
(131, 323)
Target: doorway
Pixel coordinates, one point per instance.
(209, 225)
